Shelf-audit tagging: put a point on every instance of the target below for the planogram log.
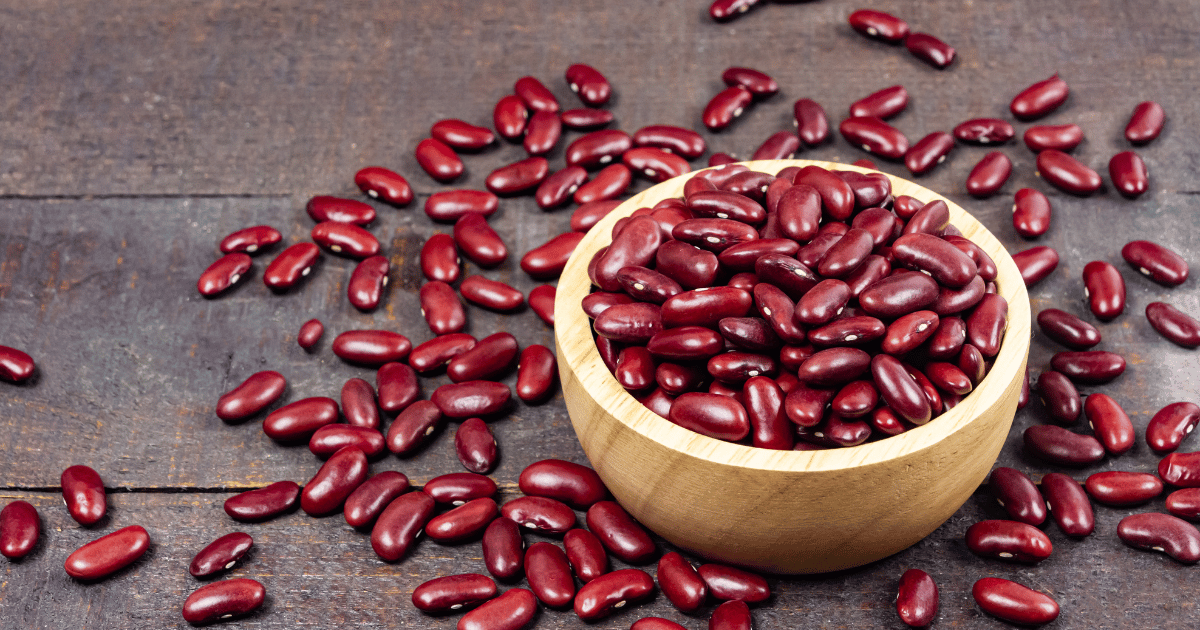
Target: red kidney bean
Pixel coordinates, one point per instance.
(602, 596)
(509, 117)
(1067, 173)
(619, 533)
(463, 522)
(1128, 173)
(1059, 396)
(358, 404)
(541, 302)
(541, 134)
(1184, 503)
(684, 142)
(254, 394)
(822, 303)
(297, 421)
(369, 499)
(1089, 367)
(1040, 99)
(879, 25)
(399, 525)
(743, 256)
(331, 438)
(459, 488)
(705, 307)
(491, 357)
(898, 295)
(221, 554)
(290, 266)
(715, 235)
(1110, 423)
(378, 183)
(413, 426)
(574, 484)
(1031, 213)
(437, 352)
(591, 86)
(598, 148)
(676, 379)
(1017, 495)
(789, 274)
(475, 446)
(451, 205)
(1036, 263)
(490, 294)
(635, 368)
(930, 49)
(338, 477)
(542, 514)
(725, 106)
(812, 126)
(223, 600)
(949, 378)
(371, 347)
(931, 219)
(726, 205)
(1068, 504)
(1146, 122)
(987, 267)
(873, 269)
(1060, 446)
(1009, 540)
(1180, 469)
(681, 583)
(987, 323)
(855, 331)
(223, 274)
(536, 373)
(558, 187)
(909, 331)
(463, 135)
(732, 615)
(597, 302)
(586, 554)
(634, 323)
(478, 241)
(264, 503)
(1161, 532)
(1104, 288)
(971, 362)
(874, 136)
(519, 176)
(781, 145)
(108, 554)
(947, 341)
(764, 408)
(1156, 262)
(917, 598)
(250, 240)
(758, 83)
(365, 288)
(438, 160)
(453, 592)
(535, 95)
(612, 181)
(952, 301)
(657, 165)
(799, 211)
(83, 492)
(1068, 329)
(439, 258)
(805, 406)
(871, 190)
(1120, 488)
(20, 529)
(882, 104)
(730, 584)
(635, 245)
(898, 389)
(928, 152)
(324, 208)
(1013, 602)
(984, 131)
(945, 262)
(713, 415)
(1171, 425)
(989, 175)
(833, 367)
(1059, 137)
(512, 610)
(549, 574)
(345, 238)
(503, 549)
(845, 255)
(855, 399)
(1173, 324)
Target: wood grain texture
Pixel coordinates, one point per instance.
(134, 134)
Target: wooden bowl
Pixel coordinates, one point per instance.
(786, 511)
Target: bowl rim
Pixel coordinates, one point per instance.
(583, 359)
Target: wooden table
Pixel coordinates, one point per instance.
(136, 134)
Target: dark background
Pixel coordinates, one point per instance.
(135, 134)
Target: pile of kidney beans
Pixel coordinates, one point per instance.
(816, 309)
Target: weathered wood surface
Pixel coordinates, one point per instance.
(135, 134)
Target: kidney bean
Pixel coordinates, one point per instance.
(1173, 324)
(725, 106)
(365, 288)
(338, 477)
(254, 394)
(731, 615)
(885, 103)
(1089, 367)
(949, 378)
(987, 267)
(345, 238)
(1017, 495)
(378, 183)
(987, 323)
(742, 257)
(1104, 288)
(512, 610)
(472, 398)
(812, 126)
(1067, 173)
(324, 208)
(1146, 122)
(1161, 532)
(490, 294)
(413, 426)
(822, 303)
(438, 160)
(715, 235)
(519, 176)
(705, 307)
(1060, 446)
(1180, 469)
(1060, 137)
(610, 182)
(726, 205)
(542, 132)
(463, 135)
(619, 533)
(764, 408)
(453, 592)
(541, 302)
(503, 549)
(989, 175)
(399, 525)
(909, 331)
(586, 554)
(930, 49)
(1156, 262)
(635, 368)
(845, 255)
(1014, 602)
(221, 554)
(542, 514)
(971, 362)
(108, 554)
(478, 241)
(549, 574)
(781, 145)
(1040, 99)
(371, 347)
(931, 219)
(535, 95)
(984, 131)
(20, 528)
(602, 596)
(1128, 173)
(223, 600)
(634, 246)
(713, 415)
(657, 165)
(536, 373)
(491, 357)
(947, 341)
(799, 212)
(263, 503)
(369, 499)
(83, 492)
(898, 389)
(945, 262)
(857, 330)
(681, 583)
(558, 187)
(598, 148)
(331, 438)
(899, 295)
(1184, 503)
(1171, 425)
(451, 205)
(1059, 396)
(792, 276)
(1120, 488)
(758, 83)
(459, 488)
(439, 258)
(684, 142)
(878, 25)
(591, 86)
(805, 406)
(509, 117)
(917, 598)
(730, 584)
(463, 522)
(1110, 423)
(290, 266)
(358, 404)
(574, 484)
(952, 301)
(1068, 329)
(250, 240)
(634, 323)
(1031, 213)
(928, 152)
(875, 136)
(475, 446)
(1008, 540)
(1068, 504)
(222, 274)
(1036, 263)
(597, 302)
(677, 379)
